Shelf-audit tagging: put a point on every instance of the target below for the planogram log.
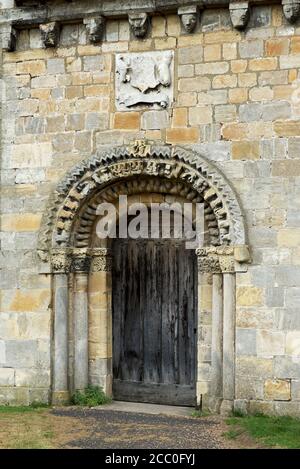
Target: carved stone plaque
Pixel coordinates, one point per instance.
(144, 80)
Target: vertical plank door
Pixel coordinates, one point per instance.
(154, 321)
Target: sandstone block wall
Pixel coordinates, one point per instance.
(236, 100)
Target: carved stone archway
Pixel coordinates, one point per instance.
(82, 273)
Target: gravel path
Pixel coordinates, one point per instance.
(109, 429)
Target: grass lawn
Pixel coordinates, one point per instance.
(38, 427)
(35, 428)
(25, 427)
(283, 432)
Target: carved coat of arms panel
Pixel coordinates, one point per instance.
(144, 80)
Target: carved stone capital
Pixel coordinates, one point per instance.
(227, 264)
(8, 38)
(101, 260)
(216, 259)
(291, 10)
(80, 260)
(95, 28)
(139, 23)
(50, 34)
(188, 15)
(239, 14)
(60, 261)
(207, 263)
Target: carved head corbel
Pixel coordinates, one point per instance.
(139, 23)
(291, 10)
(188, 16)
(95, 28)
(239, 14)
(8, 37)
(50, 34)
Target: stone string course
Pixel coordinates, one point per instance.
(237, 102)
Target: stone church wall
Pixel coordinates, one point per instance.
(236, 101)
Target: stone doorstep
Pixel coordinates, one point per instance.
(140, 407)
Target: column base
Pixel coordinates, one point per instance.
(108, 379)
(226, 408)
(214, 404)
(60, 398)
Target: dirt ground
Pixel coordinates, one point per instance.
(72, 427)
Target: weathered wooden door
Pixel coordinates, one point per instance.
(154, 321)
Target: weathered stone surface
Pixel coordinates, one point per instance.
(14, 396)
(293, 343)
(270, 343)
(189, 135)
(21, 353)
(32, 378)
(288, 275)
(286, 367)
(245, 150)
(249, 296)
(250, 49)
(153, 120)
(261, 407)
(249, 388)
(295, 389)
(287, 408)
(55, 66)
(2, 352)
(253, 366)
(245, 341)
(7, 377)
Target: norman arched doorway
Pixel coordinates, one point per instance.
(82, 270)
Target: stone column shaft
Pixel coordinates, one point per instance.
(229, 338)
(217, 336)
(60, 362)
(100, 320)
(80, 331)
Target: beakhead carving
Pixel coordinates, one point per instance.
(95, 28)
(50, 34)
(291, 10)
(139, 23)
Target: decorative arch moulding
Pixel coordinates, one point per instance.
(50, 16)
(74, 202)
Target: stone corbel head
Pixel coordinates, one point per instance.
(8, 36)
(50, 34)
(95, 28)
(188, 16)
(139, 23)
(239, 14)
(291, 10)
